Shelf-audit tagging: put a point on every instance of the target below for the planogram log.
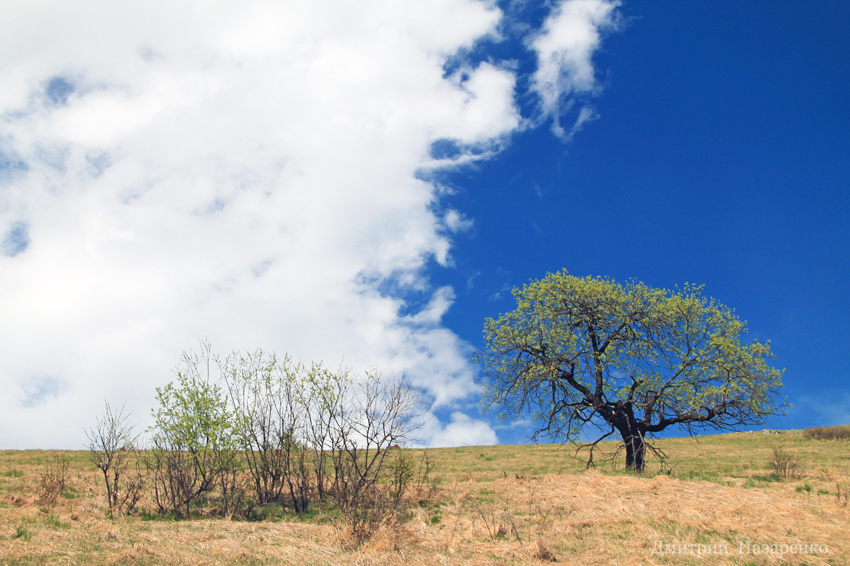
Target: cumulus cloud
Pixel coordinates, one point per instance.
(248, 172)
(461, 430)
(564, 48)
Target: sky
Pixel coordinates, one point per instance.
(363, 183)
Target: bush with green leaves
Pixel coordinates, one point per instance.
(291, 432)
(194, 448)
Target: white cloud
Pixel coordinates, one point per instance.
(460, 431)
(242, 171)
(565, 47)
(456, 222)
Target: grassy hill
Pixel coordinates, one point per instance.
(717, 500)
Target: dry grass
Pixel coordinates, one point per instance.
(828, 433)
(494, 505)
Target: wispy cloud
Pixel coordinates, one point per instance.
(38, 390)
(832, 408)
(565, 47)
(503, 292)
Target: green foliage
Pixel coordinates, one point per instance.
(194, 448)
(578, 351)
(306, 434)
(193, 415)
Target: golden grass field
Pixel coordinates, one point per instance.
(492, 505)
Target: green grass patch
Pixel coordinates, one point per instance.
(697, 475)
(22, 532)
(70, 493)
(768, 478)
(52, 521)
(148, 515)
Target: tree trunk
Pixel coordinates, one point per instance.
(632, 433)
(635, 452)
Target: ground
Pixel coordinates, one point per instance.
(720, 503)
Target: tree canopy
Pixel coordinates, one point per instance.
(628, 359)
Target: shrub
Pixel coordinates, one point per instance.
(543, 553)
(272, 407)
(784, 463)
(368, 487)
(194, 449)
(425, 484)
(827, 433)
(112, 446)
(302, 433)
(53, 480)
(310, 433)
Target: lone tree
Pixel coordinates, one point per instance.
(626, 358)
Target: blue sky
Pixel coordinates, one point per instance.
(363, 184)
(721, 157)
